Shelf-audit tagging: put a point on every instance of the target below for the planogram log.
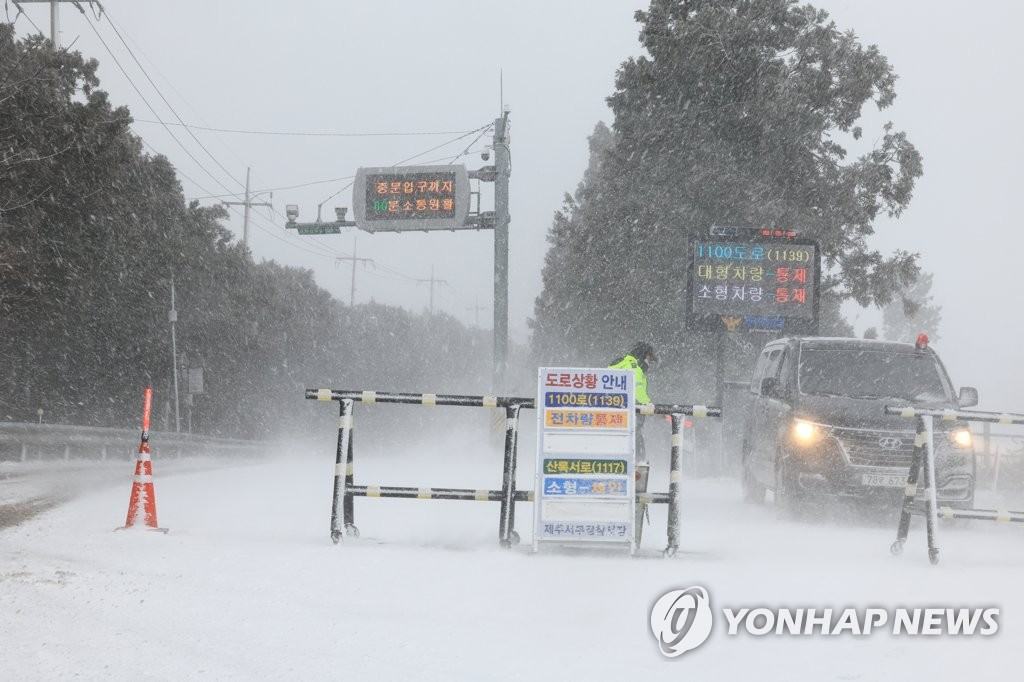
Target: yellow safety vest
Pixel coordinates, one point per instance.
(640, 382)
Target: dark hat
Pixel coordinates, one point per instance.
(642, 349)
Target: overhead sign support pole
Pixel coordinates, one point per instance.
(435, 198)
(502, 169)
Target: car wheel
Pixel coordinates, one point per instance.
(753, 491)
(790, 500)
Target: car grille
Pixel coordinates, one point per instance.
(864, 448)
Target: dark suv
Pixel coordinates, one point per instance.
(816, 424)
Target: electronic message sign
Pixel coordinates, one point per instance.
(743, 283)
(406, 198)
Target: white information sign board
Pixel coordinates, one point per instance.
(585, 490)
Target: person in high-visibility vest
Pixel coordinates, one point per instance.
(641, 359)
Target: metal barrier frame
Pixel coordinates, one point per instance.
(345, 490)
(924, 459)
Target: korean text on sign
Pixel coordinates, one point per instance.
(564, 485)
(585, 466)
(592, 530)
(410, 196)
(579, 419)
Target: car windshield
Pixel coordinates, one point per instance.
(871, 374)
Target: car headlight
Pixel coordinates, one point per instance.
(805, 433)
(962, 437)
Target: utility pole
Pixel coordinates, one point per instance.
(503, 169)
(173, 317)
(248, 203)
(432, 282)
(354, 260)
(55, 15)
(476, 310)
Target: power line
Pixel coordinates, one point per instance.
(352, 259)
(150, 106)
(466, 150)
(310, 183)
(278, 189)
(173, 111)
(432, 281)
(329, 253)
(416, 156)
(175, 90)
(315, 134)
(21, 13)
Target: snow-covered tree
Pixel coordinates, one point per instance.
(913, 312)
(736, 115)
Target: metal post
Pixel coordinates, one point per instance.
(248, 204)
(55, 23)
(173, 317)
(507, 535)
(986, 430)
(343, 456)
(910, 492)
(348, 507)
(245, 219)
(352, 288)
(675, 480)
(501, 228)
(930, 502)
(720, 396)
(995, 475)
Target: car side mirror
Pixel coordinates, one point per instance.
(968, 396)
(770, 387)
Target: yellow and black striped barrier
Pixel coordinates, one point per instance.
(345, 489)
(923, 461)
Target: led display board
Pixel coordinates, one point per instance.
(761, 283)
(406, 198)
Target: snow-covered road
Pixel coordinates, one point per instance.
(247, 585)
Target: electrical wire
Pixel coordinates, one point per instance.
(315, 182)
(466, 150)
(21, 13)
(173, 111)
(277, 189)
(305, 134)
(324, 252)
(150, 106)
(169, 83)
(416, 156)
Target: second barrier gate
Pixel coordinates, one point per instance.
(345, 489)
(923, 462)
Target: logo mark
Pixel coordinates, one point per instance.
(731, 323)
(681, 620)
(890, 443)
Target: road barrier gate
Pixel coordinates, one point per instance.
(923, 461)
(345, 489)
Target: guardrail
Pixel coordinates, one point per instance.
(923, 460)
(20, 442)
(345, 489)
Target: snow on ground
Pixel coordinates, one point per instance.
(247, 585)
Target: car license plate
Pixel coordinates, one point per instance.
(884, 480)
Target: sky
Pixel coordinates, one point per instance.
(246, 585)
(447, 68)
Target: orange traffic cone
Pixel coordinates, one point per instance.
(143, 499)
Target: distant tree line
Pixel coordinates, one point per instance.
(737, 114)
(92, 230)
